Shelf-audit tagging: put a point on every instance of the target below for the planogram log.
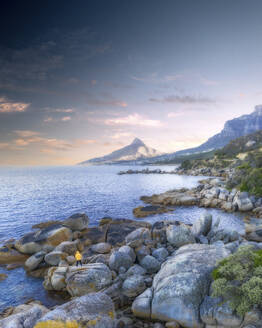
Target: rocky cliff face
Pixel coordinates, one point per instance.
(135, 151)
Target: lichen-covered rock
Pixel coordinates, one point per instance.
(33, 261)
(179, 235)
(89, 278)
(94, 310)
(24, 319)
(118, 260)
(77, 222)
(133, 286)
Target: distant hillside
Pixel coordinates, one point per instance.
(242, 145)
(233, 129)
(137, 150)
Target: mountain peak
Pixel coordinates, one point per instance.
(137, 141)
(137, 150)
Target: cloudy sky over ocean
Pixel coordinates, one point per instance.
(79, 79)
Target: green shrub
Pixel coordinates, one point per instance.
(238, 278)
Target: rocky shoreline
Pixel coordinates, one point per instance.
(134, 274)
(147, 171)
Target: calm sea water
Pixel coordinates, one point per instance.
(33, 195)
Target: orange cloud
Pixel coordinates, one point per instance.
(66, 118)
(11, 107)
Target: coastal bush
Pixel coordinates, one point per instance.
(238, 278)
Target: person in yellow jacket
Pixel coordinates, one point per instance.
(78, 258)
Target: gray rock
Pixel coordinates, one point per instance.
(136, 237)
(89, 278)
(68, 247)
(150, 264)
(36, 241)
(128, 250)
(24, 319)
(142, 251)
(120, 259)
(33, 261)
(207, 310)
(141, 306)
(225, 316)
(181, 285)
(243, 203)
(55, 257)
(133, 286)
(135, 270)
(77, 222)
(57, 279)
(202, 239)
(179, 235)
(160, 254)
(101, 248)
(203, 225)
(97, 308)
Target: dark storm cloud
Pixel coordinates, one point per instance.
(183, 100)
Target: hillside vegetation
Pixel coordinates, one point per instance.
(244, 154)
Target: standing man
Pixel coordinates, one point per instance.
(78, 258)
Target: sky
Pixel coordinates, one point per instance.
(79, 79)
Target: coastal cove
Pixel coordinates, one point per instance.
(33, 195)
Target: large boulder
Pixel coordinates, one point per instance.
(150, 264)
(33, 261)
(203, 225)
(53, 258)
(77, 222)
(141, 306)
(101, 248)
(94, 310)
(137, 237)
(243, 202)
(69, 247)
(120, 259)
(181, 284)
(133, 286)
(89, 278)
(118, 230)
(9, 255)
(179, 235)
(24, 319)
(34, 242)
(214, 311)
(128, 250)
(160, 254)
